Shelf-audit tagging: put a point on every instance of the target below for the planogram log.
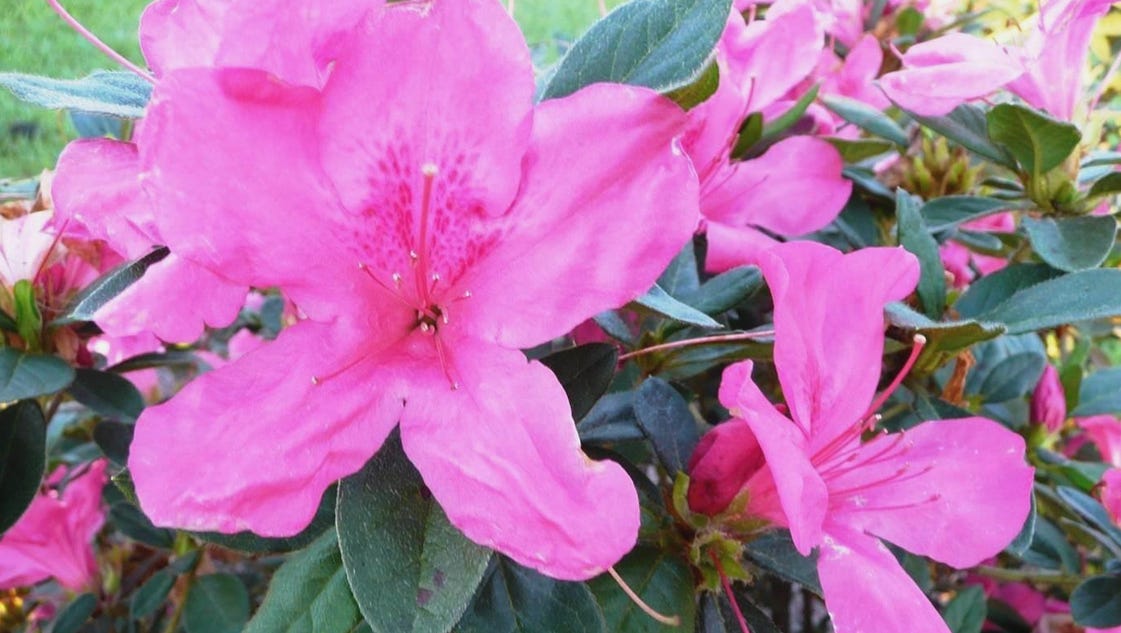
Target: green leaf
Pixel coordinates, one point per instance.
(726, 290)
(1037, 141)
(152, 594)
(249, 542)
(514, 599)
(1012, 377)
(1108, 185)
(1091, 510)
(1071, 244)
(854, 151)
(29, 320)
(966, 612)
(866, 118)
(585, 372)
(914, 236)
(409, 568)
(103, 289)
(611, 420)
(751, 132)
(1080, 296)
(1100, 393)
(715, 615)
(131, 522)
(108, 394)
(665, 418)
(662, 580)
(119, 94)
(71, 618)
(1050, 548)
(23, 459)
(949, 211)
(945, 336)
(1097, 602)
(309, 594)
(990, 291)
(216, 603)
(968, 126)
(25, 375)
(787, 119)
(660, 44)
(661, 302)
(1023, 540)
(114, 440)
(697, 92)
(775, 552)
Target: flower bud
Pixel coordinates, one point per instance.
(721, 465)
(1048, 403)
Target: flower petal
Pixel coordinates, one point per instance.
(502, 457)
(964, 481)
(829, 328)
(181, 33)
(770, 57)
(259, 440)
(592, 204)
(867, 590)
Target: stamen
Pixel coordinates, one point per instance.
(444, 362)
(727, 584)
(428, 171)
(916, 350)
(934, 498)
(397, 279)
(395, 292)
(101, 46)
(647, 609)
(900, 475)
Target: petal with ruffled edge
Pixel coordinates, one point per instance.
(829, 328)
(866, 589)
(592, 204)
(502, 457)
(770, 57)
(181, 33)
(251, 202)
(964, 481)
(258, 441)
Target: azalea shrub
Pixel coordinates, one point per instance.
(353, 315)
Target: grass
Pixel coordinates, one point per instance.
(34, 40)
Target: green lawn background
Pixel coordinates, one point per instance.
(35, 40)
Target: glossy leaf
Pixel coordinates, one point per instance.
(866, 118)
(775, 552)
(665, 418)
(108, 394)
(119, 94)
(945, 336)
(216, 603)
(1097, 602)
(660, 44)
(1107, 185)
(967, 126)
(661, 302)
(914, 236)
(716, 616)
(23, 447)
(726, 290)
(249, 542)
(24, 375)
(662, 581)
(114, 439)
(1072, 244)
(387, 520)
(585, 372)
(83, 306)
(1037, 141)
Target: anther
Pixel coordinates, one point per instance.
(397, 279)
(466, 294)
(315, 380)
(413, 256)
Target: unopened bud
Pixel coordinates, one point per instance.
(1048, 402)
(721, 465)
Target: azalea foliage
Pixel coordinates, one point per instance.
(758, 317)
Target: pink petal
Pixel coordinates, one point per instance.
(258, 441)
(175, 300)
(1105, 432)
(731, 246)
(502, 457)
(866, 589)
(768, 58)
(258, 178)
(97, 195)
(829, 328)
(628, 197)
(861, 67)
(1111, 493)
(25, 244)
(964, 481)
(943, 73)
(181, 33)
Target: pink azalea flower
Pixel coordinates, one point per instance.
(1111, 493)
(53, 537)
(428, 237)
(855, 76)
(796, 186)
(1105, 433)
(1048, 402)
(25, 245)
(840, 494)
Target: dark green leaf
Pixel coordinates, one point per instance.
(990, 291)
(23, 458)
(682, 277)
(726, 290)
(216, 603)
(662, 581)
(1097, 602)
(152, 594)
(119, 94)
(514, 599)
(132, 523)
(716, 616)
(409, 568)
(1023, 540)
(1050, 548)
(865, 178)
(693, 94)
(108, 286)
(29, 320)
(866, 118)
(1080, 296)
(114, 439)
(1012, 377)
(914, 236)
(108, 394)
(1108, 185)
(174, 358)
(585, 372)
(751, 132)
(611, 420)
(787, 119)
(660, 44)
(71, 618)
(854, 151)
(1091, 510)
(946, 336)
(775, 552)
(309, 594)
(1037, 141)
(1100, 393)
(661, 302)
(1072, 244)
(949, 211)
(25, 375)
(967, 126)
(966, 612)
(665, 418)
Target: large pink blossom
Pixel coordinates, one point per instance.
(840, 494)
(793, 188)
(430, 222)
(53, 538)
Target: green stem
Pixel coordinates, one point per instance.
(1043, 576)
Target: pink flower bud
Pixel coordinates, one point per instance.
(1048, 403)
(723, 462)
